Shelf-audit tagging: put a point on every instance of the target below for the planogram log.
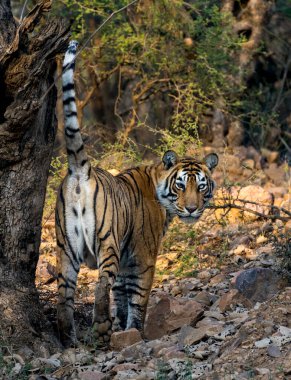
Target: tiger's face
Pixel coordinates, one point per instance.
(185, 186)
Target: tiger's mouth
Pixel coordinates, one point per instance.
(189, 219)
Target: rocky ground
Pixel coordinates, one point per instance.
(220, 307)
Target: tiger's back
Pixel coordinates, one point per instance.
(116, 224)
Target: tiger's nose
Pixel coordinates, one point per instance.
(191, 209)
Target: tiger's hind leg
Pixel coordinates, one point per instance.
(108, 269)
(121, 303)
(138, 286)
(68, 269)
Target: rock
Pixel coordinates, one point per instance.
(227, 331)
(251, 255)
(204, 275)
(232, 298)
(175, 290)
(125, 367)
(43, 362)
(263, 343)
(288, 227)
(258, 284)
(249, 164)
(274, 351)
(287, 364)
(135, 351)
(172, 353)
(203, 298)
(189, 335)
(16, 369)
(169, 314)
(122, 339)
(240, 240)
(262, 371)
(219, 278)
(277, 174)
(91, 375)
(261, 239)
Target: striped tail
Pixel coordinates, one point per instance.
(77, 157)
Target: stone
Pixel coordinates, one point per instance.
(172, 353)
(258, 284)
(251, 255)
(189, 335)
(122, 339)
(261, 239)
(135, 351)
(232, 298)
(274, 351)
(204, 275)
(263, 343)
(287, 227)
(175, 290)
(125, 367)
(262, 371)
(217, 279)
(169, 314)
(203, 298)
(277, 174)
(91, 375)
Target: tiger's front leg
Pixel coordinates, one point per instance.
(108, 269)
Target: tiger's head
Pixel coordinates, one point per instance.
(185, 185)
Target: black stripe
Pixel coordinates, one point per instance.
(110, 273)
(137, 286)
(108, 258)
(71, 114)
(59, 244)
(66, 286)
(108, 266)
(67, 280)
(68, 87)
(68, 66)
(68, 100)
(70, 152)
(133, 291)
(71, 136)
(84, 162)
(105, 236)
(73, 130)
(105, 209)
(79, 149)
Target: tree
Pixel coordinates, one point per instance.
(27, 131)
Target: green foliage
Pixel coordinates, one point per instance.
(147, 42)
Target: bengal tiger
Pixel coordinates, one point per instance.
(116, 223)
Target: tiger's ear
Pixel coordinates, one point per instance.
(170, 159)
(211, 160)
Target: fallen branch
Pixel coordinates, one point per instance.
(230, 206)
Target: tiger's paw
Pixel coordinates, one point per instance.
(117, 325)
(69, 340)
(102, 332)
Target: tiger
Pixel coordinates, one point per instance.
(116, 223)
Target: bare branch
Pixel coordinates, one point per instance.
(229, 206)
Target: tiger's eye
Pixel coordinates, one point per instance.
(180, 186)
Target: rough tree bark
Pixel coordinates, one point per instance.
(27, 132)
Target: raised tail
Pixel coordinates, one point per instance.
(77, 157)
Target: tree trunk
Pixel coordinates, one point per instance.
(27, 132)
